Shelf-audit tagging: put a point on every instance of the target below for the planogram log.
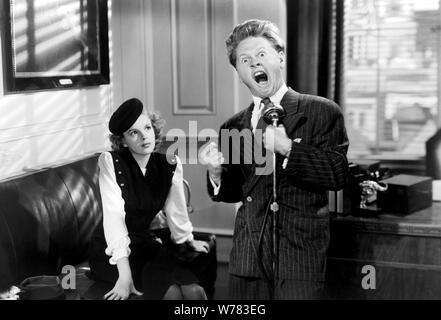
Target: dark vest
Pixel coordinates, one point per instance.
(144, 195)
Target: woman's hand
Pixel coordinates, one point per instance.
(123, 288)
(199, 246)
(124, 285)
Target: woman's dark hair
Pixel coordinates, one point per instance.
(116, 141)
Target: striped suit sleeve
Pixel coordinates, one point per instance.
(322, 164)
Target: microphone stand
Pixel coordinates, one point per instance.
(275, 209)
(272, 114)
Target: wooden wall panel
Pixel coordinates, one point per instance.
(192, 60)
(192, 42)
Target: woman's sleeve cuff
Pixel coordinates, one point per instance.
(118, 254)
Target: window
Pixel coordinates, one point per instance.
(392, 76)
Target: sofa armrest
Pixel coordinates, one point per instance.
(205, 236)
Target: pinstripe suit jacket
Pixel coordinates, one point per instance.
(317, 164)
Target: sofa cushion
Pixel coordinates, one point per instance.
(39, 213)
(81, 181)
(40, 217)
(7, 256)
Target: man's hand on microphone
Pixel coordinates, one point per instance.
(213, 159)
(276, 140)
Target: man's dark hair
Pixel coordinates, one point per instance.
(253, 28)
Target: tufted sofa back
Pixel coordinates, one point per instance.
(47, 219)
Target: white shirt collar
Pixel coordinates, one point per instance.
(276, 98)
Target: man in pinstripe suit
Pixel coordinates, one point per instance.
(310, 149)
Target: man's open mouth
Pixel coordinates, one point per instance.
(260, 77)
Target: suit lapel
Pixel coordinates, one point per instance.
(245, 121)
(290, 103)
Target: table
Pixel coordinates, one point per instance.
(404, 250)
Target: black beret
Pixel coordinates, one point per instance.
(125, 116)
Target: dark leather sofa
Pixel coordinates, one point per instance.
(47, 219)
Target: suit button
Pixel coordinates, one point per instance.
(122, 184)
(116, 160)
(249, 199)
(119, 172)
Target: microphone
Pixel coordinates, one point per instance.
(272, 114)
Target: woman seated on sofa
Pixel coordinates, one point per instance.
(135, 184)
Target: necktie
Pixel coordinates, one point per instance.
(265, 101)
(255, 116)
(261, 126)
(261, 123)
